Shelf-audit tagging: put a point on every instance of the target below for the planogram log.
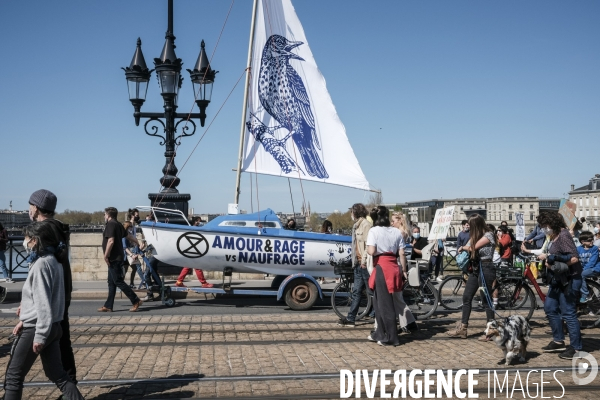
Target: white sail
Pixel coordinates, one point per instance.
(292, 128)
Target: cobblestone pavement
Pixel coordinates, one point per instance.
(289, 356)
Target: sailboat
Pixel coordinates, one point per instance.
(289, 129)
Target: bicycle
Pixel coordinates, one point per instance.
(514, 294)
(341, 297)
(3, 293)
(418, 292)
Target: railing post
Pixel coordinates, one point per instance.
(10, 250)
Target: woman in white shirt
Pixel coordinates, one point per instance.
(385, 244)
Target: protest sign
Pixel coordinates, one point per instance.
(441, 223)
(520, 231)
(567, 210)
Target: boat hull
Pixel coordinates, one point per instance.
(269, 251)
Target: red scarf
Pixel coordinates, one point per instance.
(391, 271)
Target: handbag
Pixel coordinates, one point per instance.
(462, 260)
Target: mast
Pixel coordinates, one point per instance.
(243, 127)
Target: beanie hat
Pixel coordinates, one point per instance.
(44, 199)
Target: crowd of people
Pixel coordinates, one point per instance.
(380, 267)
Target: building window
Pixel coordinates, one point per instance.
(510, 216)
(595, 201)
(510, 206)
(531, 206)
(520, 206)
(587, 201)
(581, 201)
(531, 215)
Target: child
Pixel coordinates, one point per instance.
(588, 255)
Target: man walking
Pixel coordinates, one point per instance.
(360, 230)
(112, 246)
(42, 205)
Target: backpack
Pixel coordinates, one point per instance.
(462, 260)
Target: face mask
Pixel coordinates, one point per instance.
(353, 219)
(416, 235)
(547, 231)
(25, 245)
(31, 215)
(467, 229)
(596, 230)
(136, 219)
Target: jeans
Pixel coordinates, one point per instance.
(22, 358)
(361, 281)
(116, 280)
(587, 273)
(561, 304)
(436, 261)
(3, 264)
(471, 288)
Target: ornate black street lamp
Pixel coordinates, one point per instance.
(168, 70)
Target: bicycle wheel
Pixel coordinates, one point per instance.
(3, 293)
(451, 292)
(515, 299)
(341, 300)
(422, 301)
(593, 304)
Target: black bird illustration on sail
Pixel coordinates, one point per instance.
(283, 95)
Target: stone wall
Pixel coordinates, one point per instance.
(87, 260)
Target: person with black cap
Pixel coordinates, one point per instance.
(42, 205)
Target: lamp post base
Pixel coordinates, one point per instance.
(172, 201)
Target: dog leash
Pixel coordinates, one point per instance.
(486, 293)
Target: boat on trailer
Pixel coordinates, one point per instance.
(251, 243)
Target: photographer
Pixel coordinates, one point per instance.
(564, 277)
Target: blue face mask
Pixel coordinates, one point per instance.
(416, 235)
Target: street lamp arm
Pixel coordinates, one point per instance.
(154, 129)
(175, 115)
(185, 128)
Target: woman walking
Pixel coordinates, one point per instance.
(385, 244)
(481, 246)
(42, 306)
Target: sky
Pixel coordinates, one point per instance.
(440, 99)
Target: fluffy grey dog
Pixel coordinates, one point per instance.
(512, 336)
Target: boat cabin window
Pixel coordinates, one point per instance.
(264, 224)
(267, 224)
(233, 223)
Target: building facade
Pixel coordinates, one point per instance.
(587, 199)
(14, 219)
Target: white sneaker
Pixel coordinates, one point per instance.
(369, 338)
(439, 279)
(8, 280)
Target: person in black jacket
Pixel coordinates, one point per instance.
(42, 205)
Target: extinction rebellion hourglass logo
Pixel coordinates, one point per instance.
(192, 245)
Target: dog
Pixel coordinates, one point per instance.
(512, 337)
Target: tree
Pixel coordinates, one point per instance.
(341, 221)
(376, 199)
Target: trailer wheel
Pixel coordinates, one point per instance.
(169, 302)
(301, 294)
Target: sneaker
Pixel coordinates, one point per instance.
(369, 338)
(207, 285)
(569, 353)
(426, 300)
(104, 309)
(136, 306)
(345, 322)
(439, 279)
(8, 280)
(554, 347)
(148, 298)
(412, 327)
(583, 299)
(179, 284)
(385, 344)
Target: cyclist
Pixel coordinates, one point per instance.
(588, 255)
